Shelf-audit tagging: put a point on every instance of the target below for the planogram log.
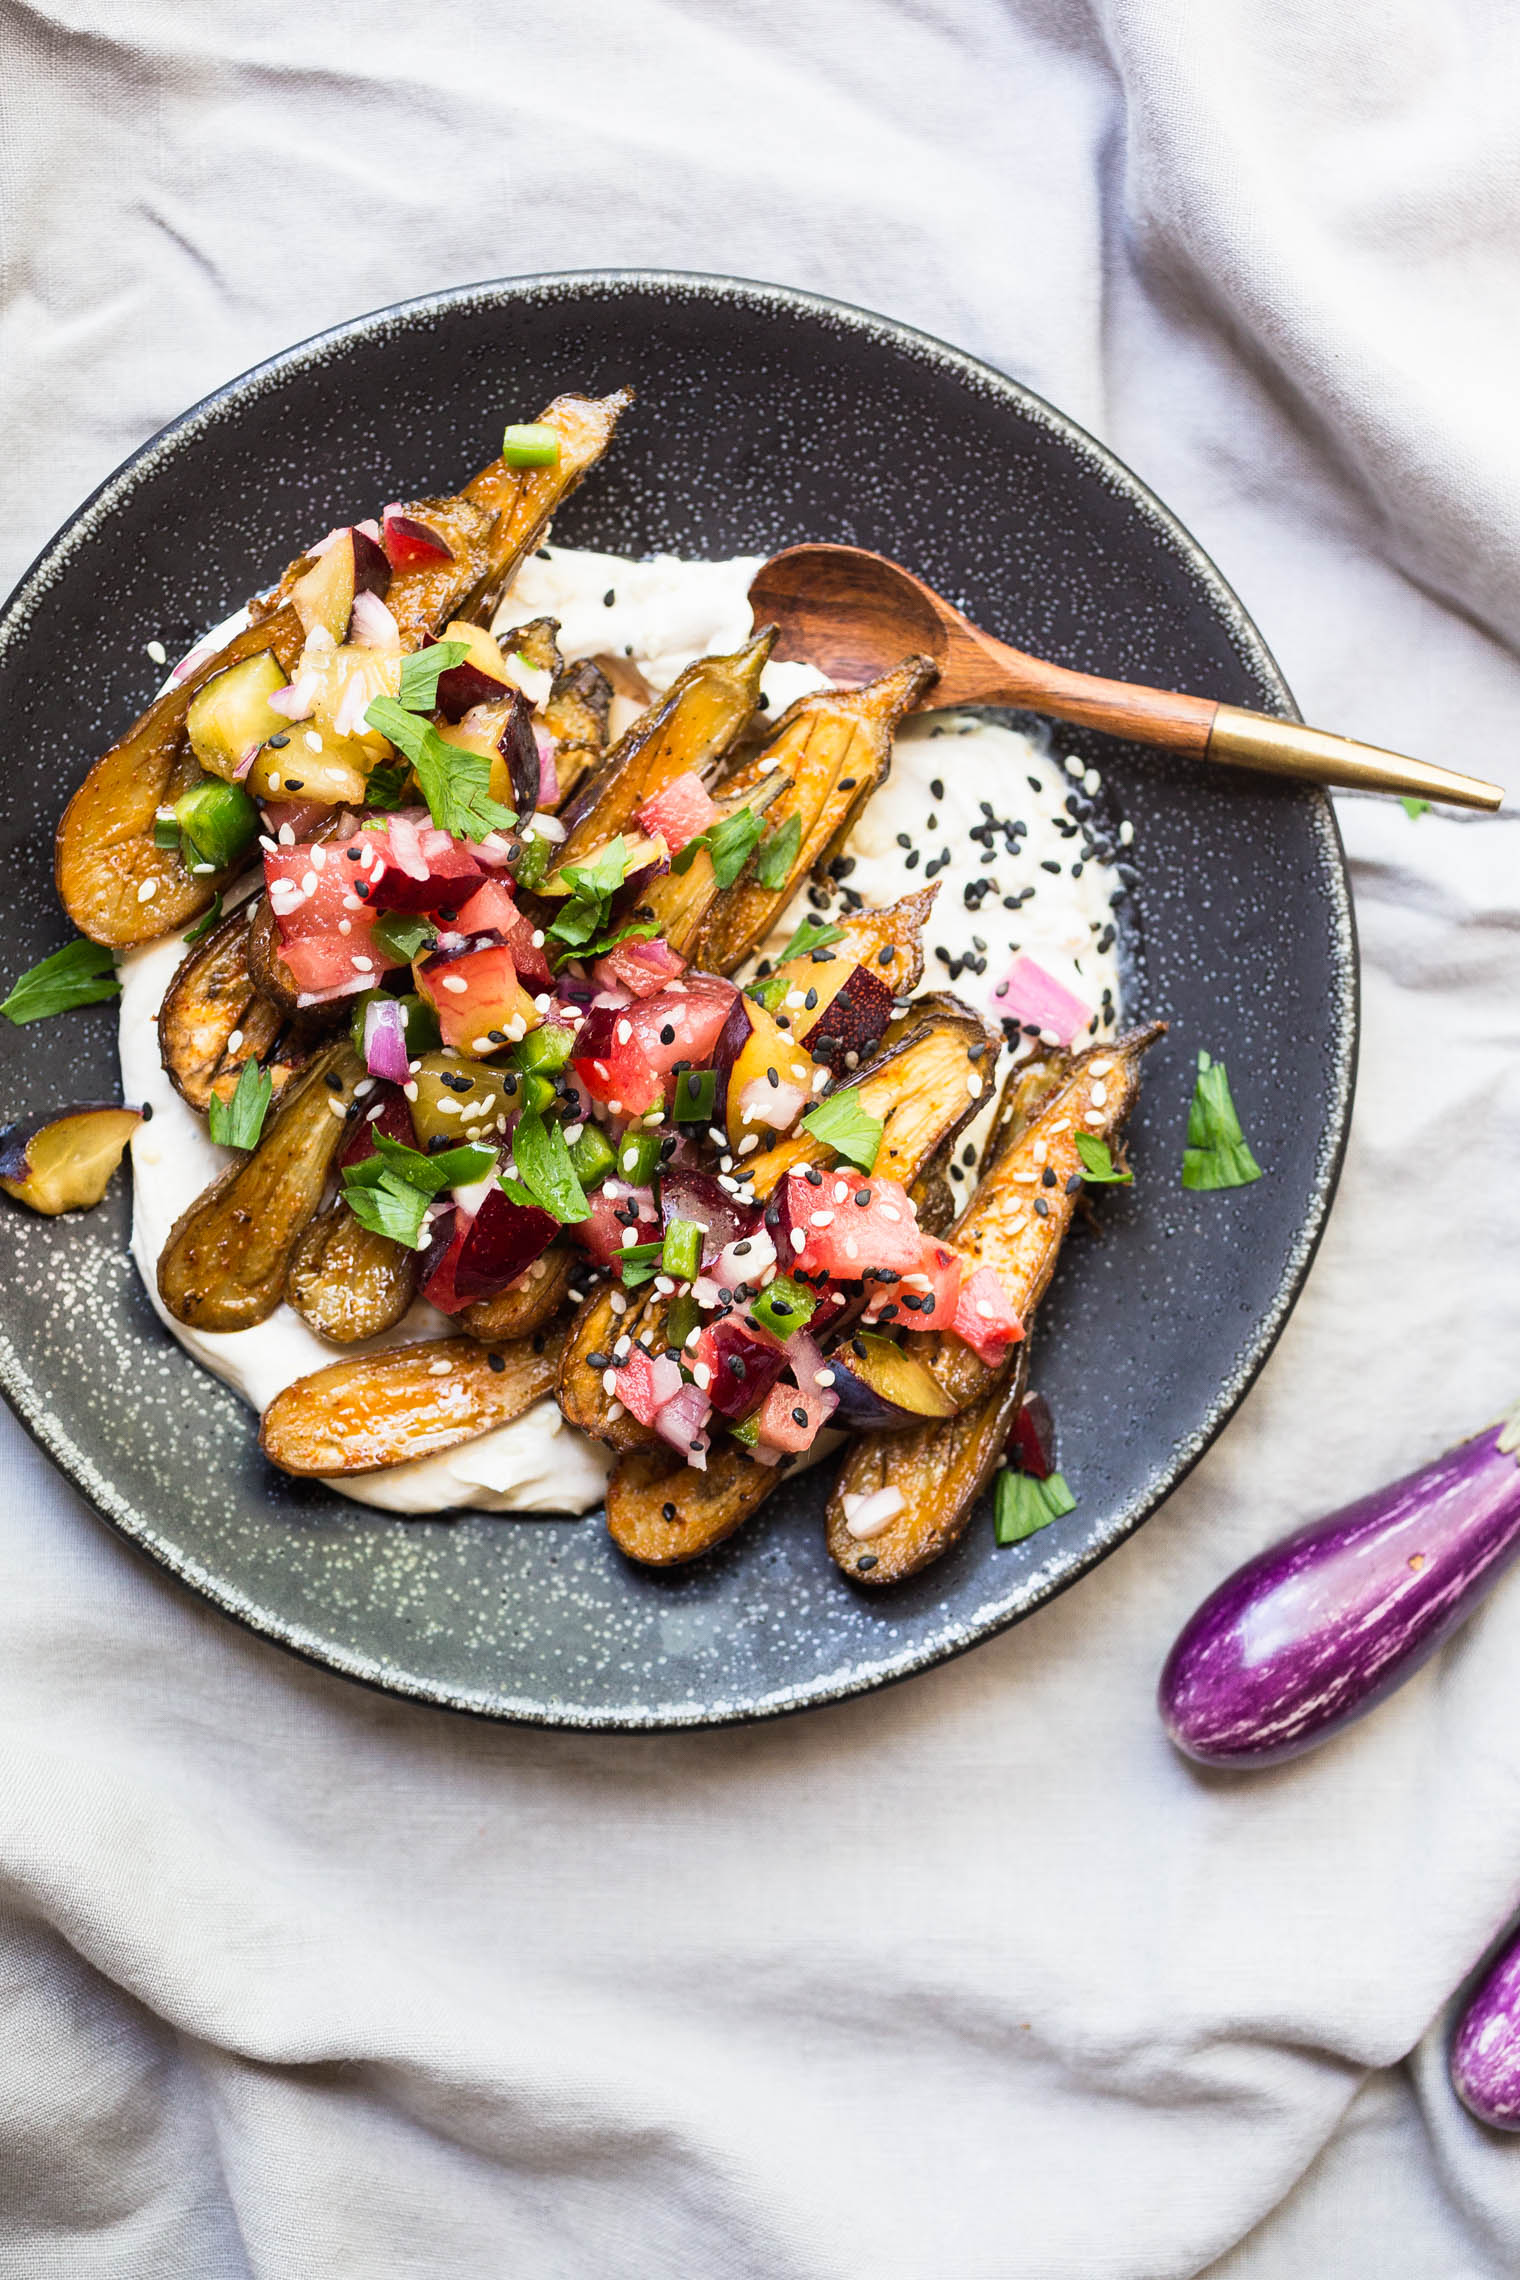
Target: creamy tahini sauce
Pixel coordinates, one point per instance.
(660, 615)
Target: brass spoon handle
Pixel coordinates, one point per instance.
(1240, 739)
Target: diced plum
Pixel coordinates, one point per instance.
(387, 1112)
(491, 909)
(324, 595)
(603, 1233)
(411, 544)
(793, 1417)
(450, 874)
(475, 991)
(500, 1243)
(742, 1367)
(640, 968)
(1032, 1443)
(696, 1197)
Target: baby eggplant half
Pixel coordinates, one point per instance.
(225, 1264)
(348, 1283)
(214, 1018)
(64, 1162)
(412, 1401)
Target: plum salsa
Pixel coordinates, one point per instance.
(553, 1065)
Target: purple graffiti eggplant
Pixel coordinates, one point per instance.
(1485, 2050)
(1312, 1633)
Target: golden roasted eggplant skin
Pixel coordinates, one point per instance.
(346, 1282)
(225, 1264)
(688, 731)
(1001, 1227)
(919, 1088)
(526, 1305)
(662, 1513)
(214, 1018)
(834, 748)
(583, 1396)
(941, 1470)
(576, 717)
(115, 884)
(377, 1410)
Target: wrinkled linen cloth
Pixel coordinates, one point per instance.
(973, 1978)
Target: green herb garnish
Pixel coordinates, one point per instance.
(531, 444)
(696, 1093)
(640, 931)
(773, 864)
(421, 671)
(206, 924)
(1098, 1165)
(237, 1123)
(386, 787)
(545, 1169)
(166, 830)
(730, 842)
(456, 784)
(1216, 1155)
(400, 934)
(811, 935)
(638, 1263)
(592, 887)
(1026, 1505)
(389, 1205)
(1414, 809)
(843, 1125)
(451, 1167)
(81, 973)
(592, 1156)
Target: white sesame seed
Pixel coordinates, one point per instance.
(974, 1085)
(984, 1309)
(1100, 1068)
(345, 926)
(455, 982)
(841, 1191)
(1100, 1096)
(1093, 1116)
(619, 1303)
(799, 1240)
(630, 1237)
(147, 890)
(609, 1381)
(823, 1377)
(410, 1090)
(614, 1412)
(287, 835)
(363, 965)
(538, 938)
(313, 741)
(1126, 834)
(820, 1079)
(319, 858)
(573, 1133)
(851, 1247)
(701, 1374)
(694, 1337)
(338, 1107)
(1039, 1151)
(235, 1040)
(615, 1107)
(269, 845)
(157, 652)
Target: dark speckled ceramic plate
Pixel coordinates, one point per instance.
(763, 416)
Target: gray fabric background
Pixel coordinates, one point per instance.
(973, 1978)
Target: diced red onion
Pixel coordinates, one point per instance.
(348, 988)
(371, 529)
(745, 1261)
(372, 626)
(665, 1379)
(548, 774)
(243, 766)
(1029, 995)
(385, 1052)
(614, 998)
(406, 847)
(683, 1421)
(779, 1106)
(297, 700)
(806, 1358)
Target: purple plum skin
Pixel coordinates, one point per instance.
(1485, 2050)
(1313, 1632)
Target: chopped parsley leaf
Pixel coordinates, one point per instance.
(1216, 1155)
(842, 1124)
(1098, 1166)
(455, 783)
(237, 1123)
(81, 973)
(773, 864)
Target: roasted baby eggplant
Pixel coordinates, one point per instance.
(214, 1018)
(526, 1305)
(121, 888)
(348, 1283)
(1003, 1226)
(225, 1264)
(412, 1401)
(576, 717)
(115, 884)
(65, 1162)
(834, 748)
(937, 1470)
(583, 1394)
(920, 1089)
(687, 732)
(662, 1513)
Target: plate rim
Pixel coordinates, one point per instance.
(959, 1634)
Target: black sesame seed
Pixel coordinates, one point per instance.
(668, 1511)
(667, 1035)
(439, 1142)
(847, 783)
(609, 598)
(866, 1560)
(968, 1154)
(771, 1078)
(810, 1001)
(1074, 1183)
(886, 954)
(1048, 1176)
(888, 1313)
(333, 1081)
(862, 1197)
(598, 1362)
(799, 1415)
(910, 862)
(1047, 865)
(496, 1362)
(932, 823)
(936, 786)
(1041, 1208)
(278, 744)
(813, 1176)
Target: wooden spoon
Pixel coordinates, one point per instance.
(854, 614)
